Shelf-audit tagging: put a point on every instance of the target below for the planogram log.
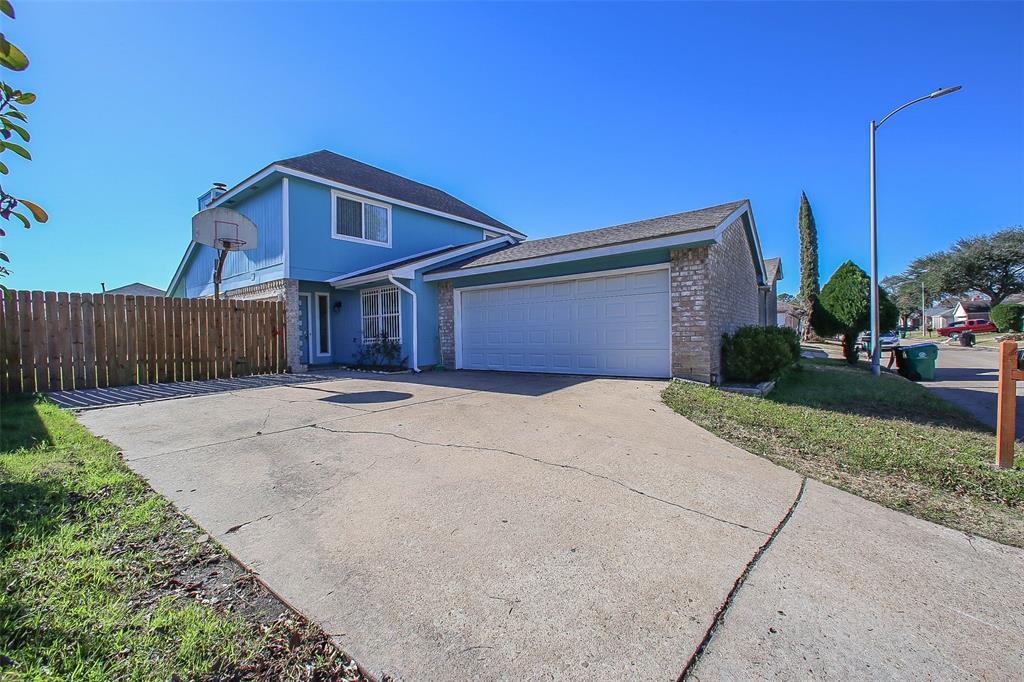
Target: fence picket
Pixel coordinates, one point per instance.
(263, 331)
(199, 340)
(100, 315)
(88, 342)
(28, 372)
(64, 340)
(162, 362)
(52, 341)
(131, 341)
(10, 368)
(77, 358)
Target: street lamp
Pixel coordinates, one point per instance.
(876, 353)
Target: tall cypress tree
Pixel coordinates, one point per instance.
(809, 286)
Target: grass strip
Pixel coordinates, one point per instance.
(104, 580)
(886, 439)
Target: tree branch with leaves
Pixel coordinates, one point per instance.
(14, 137)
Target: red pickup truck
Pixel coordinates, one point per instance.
(976, 326)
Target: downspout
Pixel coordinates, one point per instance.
(415, 363)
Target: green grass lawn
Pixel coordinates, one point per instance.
(92, 562)
(988, 339)
(885, 439)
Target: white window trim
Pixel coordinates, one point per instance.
(316, 344)
(362, 312)
(335, 195)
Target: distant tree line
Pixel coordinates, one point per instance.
(988, 264)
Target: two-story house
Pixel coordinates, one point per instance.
(356, 252)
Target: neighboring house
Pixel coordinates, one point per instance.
(136, 289)
(790, 316)
(975, 309)
(769, 293)
(355, 252)
(939, 317)
(1015, 299)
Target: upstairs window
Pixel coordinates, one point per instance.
(360, 220)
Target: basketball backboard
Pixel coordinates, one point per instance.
(223, 229)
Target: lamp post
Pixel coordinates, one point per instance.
(924, 322)
(876, 353)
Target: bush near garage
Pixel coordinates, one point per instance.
(1008, 317)
(755, 354)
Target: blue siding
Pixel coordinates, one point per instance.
(242, 268)
(316, 256)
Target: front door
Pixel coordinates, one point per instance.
(304, 329)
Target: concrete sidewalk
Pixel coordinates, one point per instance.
(455, 526)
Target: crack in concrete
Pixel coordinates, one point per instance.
(258, 434)
(288, 510)
(545, 462)
(716, 622)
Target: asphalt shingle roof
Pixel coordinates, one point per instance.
(772, 269)
(938, 310)
(137, 289)
(679, 223)
(976, 306)
(332, 166)
(395, 265)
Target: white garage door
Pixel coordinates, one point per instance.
(611, 324)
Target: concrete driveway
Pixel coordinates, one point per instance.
(455, 526)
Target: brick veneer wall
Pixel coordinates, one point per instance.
(689, 290)
(446, 323)
(714, 291)
(286, 290)
(734, 286)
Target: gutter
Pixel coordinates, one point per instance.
(415, 363)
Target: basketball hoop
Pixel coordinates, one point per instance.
(230, 244)
(225, 230)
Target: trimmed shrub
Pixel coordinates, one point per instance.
(1008, 317)
(755, 354)
(844, 309)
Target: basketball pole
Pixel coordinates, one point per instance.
(221, 257)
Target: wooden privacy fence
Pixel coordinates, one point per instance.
(60, 341)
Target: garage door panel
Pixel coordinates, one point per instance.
(650, 281)
(617, 325)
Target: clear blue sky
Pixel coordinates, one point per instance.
(552, 118)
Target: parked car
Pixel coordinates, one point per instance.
(976, 326)
(887, 340)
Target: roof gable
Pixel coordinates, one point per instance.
(136, 289)
(772, 269)
(975, 306)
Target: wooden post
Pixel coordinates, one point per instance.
(1006, 421)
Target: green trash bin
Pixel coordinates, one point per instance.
(917, 362)
(903, 333)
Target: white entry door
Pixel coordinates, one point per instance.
(615, 324)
